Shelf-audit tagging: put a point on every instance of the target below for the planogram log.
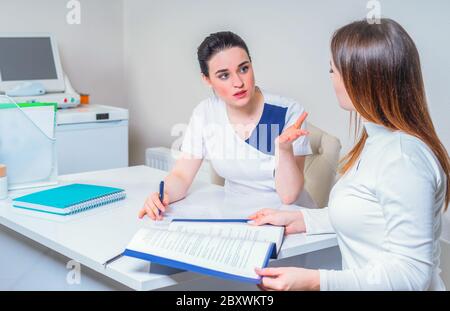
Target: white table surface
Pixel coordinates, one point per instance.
(94, 236)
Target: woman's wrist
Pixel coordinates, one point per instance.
(299, 221)
(284, 149)
(284, 155)
(314, 280)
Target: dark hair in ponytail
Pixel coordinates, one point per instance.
(215, 43)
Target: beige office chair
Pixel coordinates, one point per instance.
(320, 166)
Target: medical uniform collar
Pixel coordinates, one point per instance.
(374, 129)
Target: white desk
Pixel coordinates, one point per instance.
(93, 237)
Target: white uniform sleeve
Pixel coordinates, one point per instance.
(301, 146)
(406, 191)
(317, 221)
(193, 141)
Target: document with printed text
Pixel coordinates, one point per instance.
(224, 249)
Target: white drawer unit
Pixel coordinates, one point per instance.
(90, 138)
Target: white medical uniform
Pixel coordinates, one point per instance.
(386, 212)
(247, 166)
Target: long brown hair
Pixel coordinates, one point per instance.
(381, 71)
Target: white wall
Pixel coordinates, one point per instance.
(91, 53)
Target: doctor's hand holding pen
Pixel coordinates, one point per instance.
(156, 204)
(174, 187)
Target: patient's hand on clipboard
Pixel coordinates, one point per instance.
(292, 220)
(153, 207)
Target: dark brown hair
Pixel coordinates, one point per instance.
(215, 43)
(381, 71)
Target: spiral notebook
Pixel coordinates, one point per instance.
(69, 199)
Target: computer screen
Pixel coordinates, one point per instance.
(30, 57)
(26, 59)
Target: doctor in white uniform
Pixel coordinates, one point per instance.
(255, 140)
(386, 208)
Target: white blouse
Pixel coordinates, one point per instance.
(386, 212)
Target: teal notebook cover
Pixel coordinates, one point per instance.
(65, 197)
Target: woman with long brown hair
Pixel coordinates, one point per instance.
(386, 208)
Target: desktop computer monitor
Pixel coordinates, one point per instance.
(30, 58)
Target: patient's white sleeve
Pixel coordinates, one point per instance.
(317, 221)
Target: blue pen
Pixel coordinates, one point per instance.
(161, 194)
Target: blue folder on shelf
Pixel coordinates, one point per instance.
(69, 199)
